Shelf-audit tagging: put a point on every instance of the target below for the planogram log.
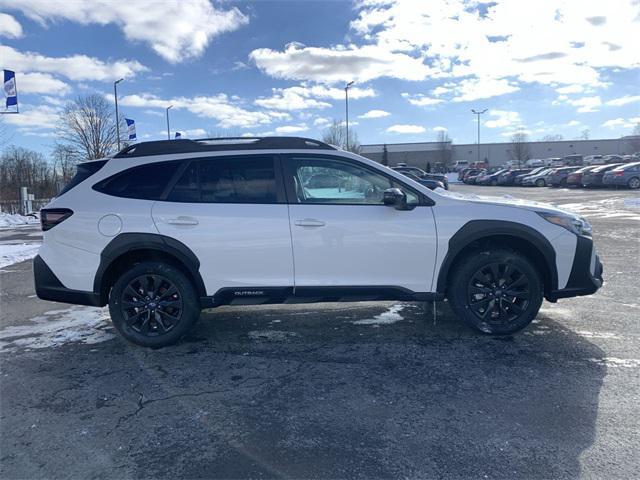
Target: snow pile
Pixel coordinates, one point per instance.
(15, 219)
(452, 177)
(10, 254)
(55, 328)
(632, 202)
(392, 315)
(607, 208)
(271, 335)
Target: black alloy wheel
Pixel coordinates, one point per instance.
(151, 305)
(498, 293)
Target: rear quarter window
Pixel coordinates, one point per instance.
(145, 182)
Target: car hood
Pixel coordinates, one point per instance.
(504, 201)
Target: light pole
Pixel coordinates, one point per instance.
(115, 95)
(478, 113)
(346, 106)
(168, 131)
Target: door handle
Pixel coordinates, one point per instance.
(309, 222)
(184, 221)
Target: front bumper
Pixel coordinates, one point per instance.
(586, 272)
(49, 287)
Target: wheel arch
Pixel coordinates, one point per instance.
(479, 234)
(129, 248)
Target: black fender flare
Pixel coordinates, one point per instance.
(129, 242)
(475, 230)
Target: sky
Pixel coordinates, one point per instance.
(544, 67)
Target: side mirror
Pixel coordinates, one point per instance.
(394, 197)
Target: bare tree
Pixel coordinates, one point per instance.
(21, 167)
(519, 150)
(551, 138)
(335, 135)
(385, 155)
(65, 160)
(88, 127)
(445, 153)
(585, 134)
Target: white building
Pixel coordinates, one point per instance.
(421, 153)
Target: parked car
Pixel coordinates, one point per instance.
(594, 177)
(462, 172)
(535, 162)
(574, 179)
(471, 177)
(536, 180)
(163, 229)
(439, 177)
(625, 175)
(558, 176)
(519, 178)
(459, 165)
(609, 159)
(427, 182)
(508, 178)
(468, 172)
(573, 160)
(490, 178)
(555, 162)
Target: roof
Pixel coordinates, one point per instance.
(164, 147)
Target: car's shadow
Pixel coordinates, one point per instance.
(304, 391)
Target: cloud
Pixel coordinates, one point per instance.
(228, 112)
(480, 88)
(401, 128)
(618, 102)
(304, 97)
(503, 118)
(321, 122)
(570, 89)
(174, 30)
(35, 117)
(74, 67)
(338, 64)
(42, 83)
(572, 123)
(502, 39)
(585, 104)
(440, 129)
(621, 123)
(374, 114)
(292, 128)
(9, 26)
(421, 100)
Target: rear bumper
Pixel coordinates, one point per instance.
(49, 287)
(586, 272)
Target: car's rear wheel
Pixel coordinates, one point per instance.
(153, 304)
(540, 182)
(497, 292)
(634, 183)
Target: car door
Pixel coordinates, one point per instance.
(231, 212)
(342, 233)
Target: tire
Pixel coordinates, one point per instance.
(159, 319)
(634, 183)
(473, 297)
(540, 182)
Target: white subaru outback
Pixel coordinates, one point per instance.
(163, 229)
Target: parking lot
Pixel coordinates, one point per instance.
(361, 390)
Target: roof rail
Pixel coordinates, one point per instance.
(164, 147)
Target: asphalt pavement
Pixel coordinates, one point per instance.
(360, 390)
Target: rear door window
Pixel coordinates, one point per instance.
(247, 179)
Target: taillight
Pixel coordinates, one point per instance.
(618, 174)
(50, 217)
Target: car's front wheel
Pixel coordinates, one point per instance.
(540, 182)
(497, 291)
(153, 304)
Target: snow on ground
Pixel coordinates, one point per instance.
(607, 208)
(10, 254)
(15, 219)
(392, 315)
(55, 328)
(452, 177)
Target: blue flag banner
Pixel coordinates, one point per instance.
(178, 136)
(131, 125)
(10, 91)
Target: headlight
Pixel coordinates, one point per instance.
(577, 225)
